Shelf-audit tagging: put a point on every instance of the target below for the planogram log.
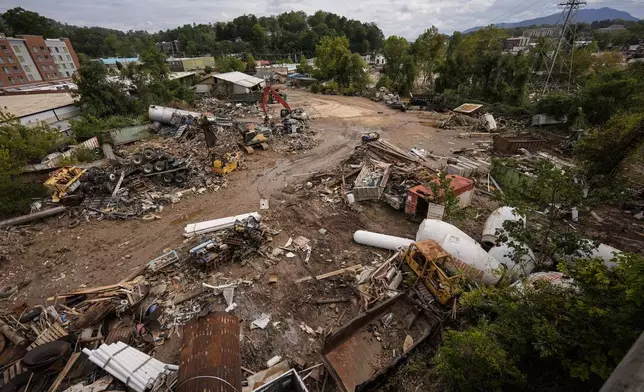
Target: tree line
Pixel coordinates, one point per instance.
(267, 36)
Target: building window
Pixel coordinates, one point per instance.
(10, 59)
(22, 80)
(43, 67)
(69, 58)
(42, 48)
(65, 49)
(56, 49)
(46, 57)
(17, 49)
(60, 57)
(11, 81)
(67, 73)
(39, 58)
(31, 77)
(51, 67)
(4, 48)
(6, 70)
(34, 49)
(27, 68)
(64, 66)
(1, 60)
(1, 83)
(15, 69)
(47, 76)
(21, 59)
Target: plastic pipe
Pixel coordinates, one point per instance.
(118, 368)
(381, 240)
(192, 229)
(504, 253)
(115, 371)
(127, 363)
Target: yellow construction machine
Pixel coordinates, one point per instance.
(428, 259)
(225, 165)
(64, 181)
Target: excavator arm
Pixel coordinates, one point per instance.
(268, 90)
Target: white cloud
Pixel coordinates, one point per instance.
(401, 17)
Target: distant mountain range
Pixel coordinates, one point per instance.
(583, 16)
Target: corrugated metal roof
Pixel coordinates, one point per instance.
(24, 105)
(239, 78)
(180, 75)
(468, 108)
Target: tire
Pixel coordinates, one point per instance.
(160, 166)
(108, 187)
(112, 177)
(149, 154)
(168, 178)
(180, 178)
(8, 291)
(137, 159)
(148, 168)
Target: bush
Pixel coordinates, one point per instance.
(89, 126)
(558, 105)
(473, 360)
(207, 69)
(16, 196)
(315, 88)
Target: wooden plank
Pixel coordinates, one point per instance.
(63, 373)
(94, 290)
(341, 271)
(5, 376)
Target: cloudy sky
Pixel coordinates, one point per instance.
(402, 17)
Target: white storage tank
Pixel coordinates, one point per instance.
(494, 224)
(434, 229)
(163, 114)
(470, 259)
(504, 254)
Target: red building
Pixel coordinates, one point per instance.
(29, 59)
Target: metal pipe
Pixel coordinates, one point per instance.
(32, 217)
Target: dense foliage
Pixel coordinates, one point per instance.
(270, 37)
(334, 61)
(20, 145)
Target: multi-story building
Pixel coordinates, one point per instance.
(30, 58)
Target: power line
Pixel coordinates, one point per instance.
(571, 7)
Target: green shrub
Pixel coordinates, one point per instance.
(16, 196)
(473, 360)
(315, 88)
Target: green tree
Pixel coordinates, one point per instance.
(229, 63)
(400, 66)
(207, 69)
(98, 95)
(429, 53)
(304, 67)
(334, 61)
(250, 63)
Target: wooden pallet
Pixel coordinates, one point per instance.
(51, 334)
(12, 371)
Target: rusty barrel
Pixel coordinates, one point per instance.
(210, 357)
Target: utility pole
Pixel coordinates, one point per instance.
(566, 39)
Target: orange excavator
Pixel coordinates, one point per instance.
(269, 91)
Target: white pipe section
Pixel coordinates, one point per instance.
(120, 368)
(193, 229)
(129, 364)
(494, 224)
(115, 371)
(602, 251)
(163, 114)
(380, 240)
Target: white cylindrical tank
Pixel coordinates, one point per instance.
(434, 229)
(472, 260)
(163, 114)
(602, 251)
(504, 254)
(494, 224)
(381, 240)
(553, 277)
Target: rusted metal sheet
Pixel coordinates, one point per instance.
(357, 360)
(511, 144)
(210, 357)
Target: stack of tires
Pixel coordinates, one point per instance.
(171, 171)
